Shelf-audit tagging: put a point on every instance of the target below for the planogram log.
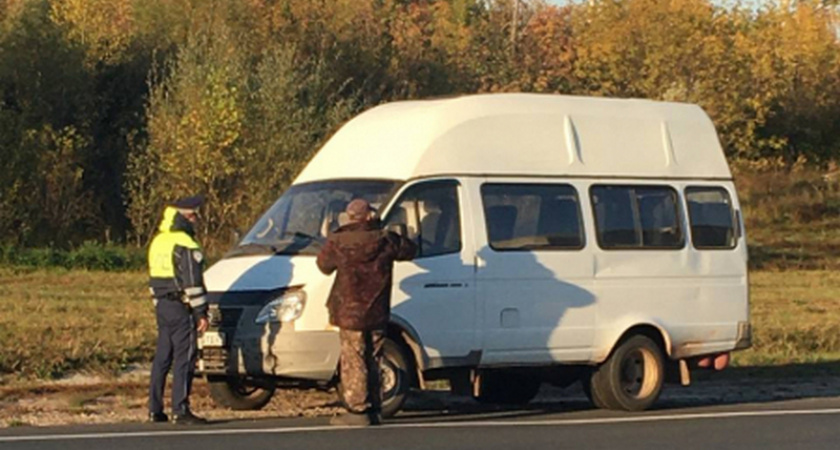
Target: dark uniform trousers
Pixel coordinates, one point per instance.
(176, 348)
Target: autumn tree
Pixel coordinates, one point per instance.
(233, 126)
(110, 107)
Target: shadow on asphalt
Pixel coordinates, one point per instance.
(756, 384)
(441, 406)
(733, 386)
(781, 372)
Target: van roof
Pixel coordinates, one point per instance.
(523, 134)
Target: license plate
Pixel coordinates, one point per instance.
(212, 339)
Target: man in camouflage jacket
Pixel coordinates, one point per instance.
(363, 256)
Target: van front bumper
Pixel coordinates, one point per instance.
(274, 351)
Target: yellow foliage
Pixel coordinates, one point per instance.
(10, 9)
(103, 27)
(244, 90)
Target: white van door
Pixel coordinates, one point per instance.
(534, 273)
(435, 293)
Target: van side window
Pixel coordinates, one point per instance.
(432, 217)
(532, 216)
(711, 217)
(637, 217)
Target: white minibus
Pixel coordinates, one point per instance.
(561, 239)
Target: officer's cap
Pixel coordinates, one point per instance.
(188, 203)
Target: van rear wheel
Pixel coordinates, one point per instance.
(236, 394)
(631, 379)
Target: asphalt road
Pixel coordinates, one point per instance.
(796, 424)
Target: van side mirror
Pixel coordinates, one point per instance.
(398, 228)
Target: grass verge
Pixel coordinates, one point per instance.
(795, 317)
(57, 322)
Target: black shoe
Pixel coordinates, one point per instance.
(158, 417)
(188, 418)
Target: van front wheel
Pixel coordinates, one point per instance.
(234, 393)
(631, 379)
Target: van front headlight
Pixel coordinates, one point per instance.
(286, 308)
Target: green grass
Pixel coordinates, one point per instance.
(791, 218)
(56, 322)
(795, 317)
(88, 256)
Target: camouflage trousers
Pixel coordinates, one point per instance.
(361, 352)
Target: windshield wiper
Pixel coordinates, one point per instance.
(292, 246)
(301, 235)
(252, 248)
(257, 245)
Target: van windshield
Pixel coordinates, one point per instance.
(301, 219)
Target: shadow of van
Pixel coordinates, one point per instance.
(516, 317)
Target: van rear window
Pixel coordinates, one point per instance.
(712, 218)
(532, 216)
(637, 217)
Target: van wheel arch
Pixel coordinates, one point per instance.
(411, 345)
(653, 332)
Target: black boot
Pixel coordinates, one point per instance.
(188, 418)
(158, 417)
(375, 416)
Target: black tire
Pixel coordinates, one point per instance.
(234, 393)
(507, 388)
(586, 383)
(631, 379)
(397, 376)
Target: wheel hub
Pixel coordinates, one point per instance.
(389, 378)
(639, 376)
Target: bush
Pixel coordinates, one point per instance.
(94, 256)
(88, 256)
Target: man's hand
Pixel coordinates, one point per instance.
(202, 325)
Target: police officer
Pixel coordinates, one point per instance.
(177, 286)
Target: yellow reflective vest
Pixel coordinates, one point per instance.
(176, 263)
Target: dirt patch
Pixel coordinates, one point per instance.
(92, 400)
(115, 402)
